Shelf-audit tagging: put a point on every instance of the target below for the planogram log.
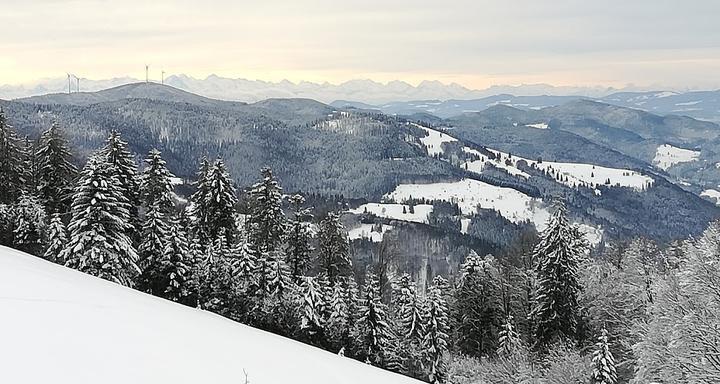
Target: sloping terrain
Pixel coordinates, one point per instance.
(62, 326)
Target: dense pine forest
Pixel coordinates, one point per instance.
(544, 310)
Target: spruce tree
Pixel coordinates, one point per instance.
(409, 316)
(556, 304)
(479, 313)
(155, 237)
(123, 169)
(175, 270)
(603, 362)
(299, 250)
(214, 205)
(509, 341)
(55, 170)
(155, 184)
(312, 311)
(99, 243)
(267, 221)
(197, 211)
(12, 167)
(216, 286)
(29, 228)
(342, 314)
(57, 238)
(373, 332)
(333, 248)
(437, 329)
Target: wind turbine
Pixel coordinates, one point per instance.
(147, 76)
(162, 77)
(69, 83)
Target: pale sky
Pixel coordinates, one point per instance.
(475, 43)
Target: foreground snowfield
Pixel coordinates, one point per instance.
(62, 326)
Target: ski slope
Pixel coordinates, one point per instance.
(62, 326)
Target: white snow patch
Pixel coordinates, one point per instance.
(667, 155)
(592, 234)
(395, 211)
(537, 125)
(367, 231)
(102, 332)
(689, 102)
(472, 194)
(434, 140)
(464, 225)
(712, 194)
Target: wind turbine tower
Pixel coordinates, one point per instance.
(147, 76)
(69, 83)
(162, 77)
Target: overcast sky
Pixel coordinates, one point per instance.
(472, 42)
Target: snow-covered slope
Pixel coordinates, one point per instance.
(667, 155)
(61, 326)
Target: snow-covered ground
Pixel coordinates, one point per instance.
(538, 125)
(470, 194)
(395, 211)
(62, 326)
(713, 194)
(434, 140)
(666, 156)
(367, 231)
(572, 174)
(592, 234)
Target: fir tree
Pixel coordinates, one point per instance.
(267, 222)
(409, 316)
(342, 314)
(155, 237)
(29, 229)
(216, 288)
(214, 205)
(55, 170)
(12, 167)
(175, 268)
(333, 248)
(123, 169)
(99, 242)
(479, 306)
(156, 185)
(509, 341)
(373, 333)
(557, 254)
(57, 238)
(603, 362)
(312, 311)
(298, 253)
(437, 329)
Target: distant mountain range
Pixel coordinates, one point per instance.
(398, 97)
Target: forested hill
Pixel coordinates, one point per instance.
(316, 148)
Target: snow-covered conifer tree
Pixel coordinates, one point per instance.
(99, 243)
(55, 170)
(12, 172)
(214, 205)
(57, 238)
(29, 229)
(312, 311)
(155, 184)
(298, 252)
(437, 329)
(509, 341)
(603, 362)
(175, 269)
(154, 239)
(333, 248)
(557, 253)
(267, 221)
(373, 332)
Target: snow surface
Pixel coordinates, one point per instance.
(713, 194)
(395, 211)
(537, 125)
(667, 155)
(434, 140)
(573, 174)
(366, 231)
(470, 194)
(62, 326)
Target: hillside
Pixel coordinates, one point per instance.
(81, 329)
